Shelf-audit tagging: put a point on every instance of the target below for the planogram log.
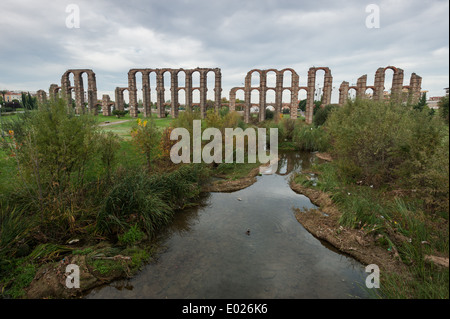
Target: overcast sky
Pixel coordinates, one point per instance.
(36, 46)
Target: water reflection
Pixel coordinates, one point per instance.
(209, 254)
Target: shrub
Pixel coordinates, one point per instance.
(269, 114)
(382, 142)
(147, 139)
(148, 201)
(321, 114)
(108, 145)
(310, 138)
(443, 108)
(223, 111)
(53, 149)
(119, 113)
(289, 128)
(233, 120)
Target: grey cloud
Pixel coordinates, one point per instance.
(234, 35)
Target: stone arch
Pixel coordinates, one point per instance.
(132, 90)
(272, 102)
(119, 99)
(53, 91)
(368, 95)
(248, 78)
(284, 78)
(327, 89)
(106, 105)
(183, 90)
(294, 89)
(79, 89)
(271, 78)
(168, 92)
(397, 82)
(41, 96)
(350, 94)
(263, 89)
(196, 101)
(233, 93)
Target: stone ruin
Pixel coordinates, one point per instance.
(67, 88)
(174, 88)
(399, 91)
(294, 89)
(410, 93)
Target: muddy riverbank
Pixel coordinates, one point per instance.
(323, 223)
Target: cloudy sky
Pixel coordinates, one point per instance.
(37, 46)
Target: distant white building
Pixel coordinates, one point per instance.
(433, 102)
(10, 96)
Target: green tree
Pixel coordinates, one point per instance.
(52, 148)
(443, 108)
(29, 102)
(146, 138)
(3, 93)
(422, 102)
(302, 105)
(322, 114)
(108, 144)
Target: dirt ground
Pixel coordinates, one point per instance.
(50, 280)
(226, 186)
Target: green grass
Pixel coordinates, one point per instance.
(234, 171)
(123, 129)
(20, 275)
(8, 167)
(106, 267)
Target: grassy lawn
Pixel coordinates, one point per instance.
(123, 129)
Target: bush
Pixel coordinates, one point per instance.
(119, 113)
(289, 128)
(321, 114)
(147, 139)
(109, 144)
(223, 111)
(310, 138)
(388, 143)
(269, 114)
(53, 149)
(148, 201)
(443, 108)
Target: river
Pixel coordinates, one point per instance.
(209, 254)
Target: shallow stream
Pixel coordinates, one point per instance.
(209, 254)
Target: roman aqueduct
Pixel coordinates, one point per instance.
(399, 91)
